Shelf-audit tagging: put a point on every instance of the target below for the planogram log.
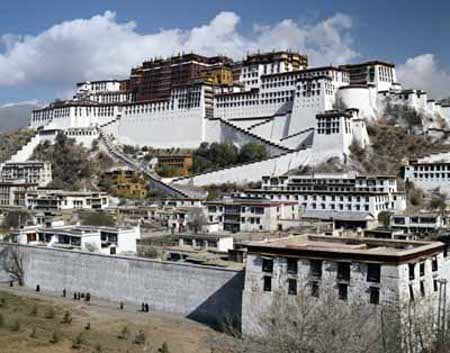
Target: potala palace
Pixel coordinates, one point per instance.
(302, 115)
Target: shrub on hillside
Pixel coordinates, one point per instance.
(415, 196)
(384, 218)
(56, 336)
(100, 219)
(438, 202)
(167, 171)
(391, 147)
(222, 155)
(73, 165)
(15, 219)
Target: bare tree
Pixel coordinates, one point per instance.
(196, 219)
(11, 258)
(309, 325)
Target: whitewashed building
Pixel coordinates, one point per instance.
(245, 214)
(332, 196)
(214, 242)
(13, 193)
(104, 240)
(37, 172)
(419, 223)
(55, 200)
(430, 174)
(177, 202)
(372, 272)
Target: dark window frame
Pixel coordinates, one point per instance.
(292, 286)
(422, 288)
(374, 273)
(412, 271)
(344, 271)
(316, 268)
(267, 285)
(434, 264)
(374, 295)
(315, 289)
(343, 291)
(267, 265)
(292, 266)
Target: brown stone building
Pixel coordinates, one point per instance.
(154, 79)
(291, 61)
(178, 162)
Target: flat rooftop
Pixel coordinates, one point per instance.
(76, 230)
(249, 201)
(205, 236)
(338, 248)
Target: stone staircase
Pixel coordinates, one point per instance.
(26, 151)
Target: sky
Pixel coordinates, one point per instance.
(47, 46)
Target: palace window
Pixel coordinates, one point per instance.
(267, 284)
(434, 264)
(343, 273)
(422, 288)
(422, 269)
(374, 295)
(292, 286)
(315, 291)
(292, 266)
(316, 268)
(373, 273)
(343, 291)
(267, 265)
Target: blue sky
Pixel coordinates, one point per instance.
(40, 38)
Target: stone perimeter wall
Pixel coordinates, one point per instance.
(201, 293)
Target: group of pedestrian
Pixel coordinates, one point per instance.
(145, 308)
(79, 296)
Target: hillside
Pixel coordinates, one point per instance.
(74, 166)
(391, 147)
(15, 116)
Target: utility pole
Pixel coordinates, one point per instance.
(442, 309)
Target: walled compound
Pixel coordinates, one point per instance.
(375, 273)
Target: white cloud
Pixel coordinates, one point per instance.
(424, 72)
(101, 47)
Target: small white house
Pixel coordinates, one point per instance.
(216, 242)
(105, 240)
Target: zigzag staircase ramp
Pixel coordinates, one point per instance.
(272, 147)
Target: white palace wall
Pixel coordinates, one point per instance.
(275, 129)
(248, 123)
(218, 130)
(250, 172)
(362, 98)
(172, 129)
